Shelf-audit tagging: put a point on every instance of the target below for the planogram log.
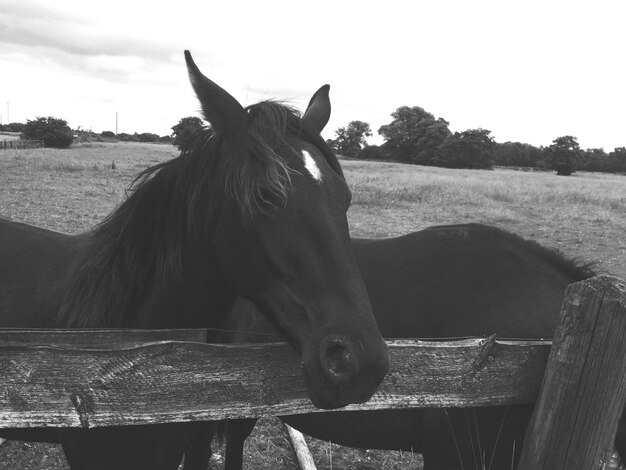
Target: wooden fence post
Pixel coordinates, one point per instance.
(584, 386)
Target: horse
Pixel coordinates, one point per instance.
(255, 208)
(445, 281)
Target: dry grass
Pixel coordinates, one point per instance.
(583, 215)
(70, 190)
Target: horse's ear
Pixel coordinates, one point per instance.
(219, 108)
(317, 113)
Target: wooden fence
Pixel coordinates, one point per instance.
(121, 377)
(20, 144)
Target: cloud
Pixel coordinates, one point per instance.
(75, 36)
(28, 9)
(85, 43)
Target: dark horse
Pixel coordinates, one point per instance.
(257, 209)
(450, 281)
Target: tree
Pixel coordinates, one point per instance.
(617, 159)
(563, 155)
(108, 134)
(373, 152)
(414, 135)
(52, 131)
(185, 131)
(434, 134)
(351, 139)
(472, 148)
(593, 160)
(12, 127)
(517, 154)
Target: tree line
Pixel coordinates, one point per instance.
(416, 136)
(413, 136)
(56, 133)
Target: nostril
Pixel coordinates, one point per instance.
(338, 359)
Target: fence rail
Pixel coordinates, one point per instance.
(164, 381)
(20, 144)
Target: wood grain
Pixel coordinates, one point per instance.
(102, 338)
(584, 389)
(43, 385)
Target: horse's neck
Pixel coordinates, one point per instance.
(246, 324)
(200, 299)
(115, 286)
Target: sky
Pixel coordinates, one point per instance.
(528, 71)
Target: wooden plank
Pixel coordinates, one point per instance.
(183, 381)
(584, 388)
(301, 449)
(103, 338)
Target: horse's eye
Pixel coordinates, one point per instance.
(269, 200)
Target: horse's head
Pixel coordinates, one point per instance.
(281, 239)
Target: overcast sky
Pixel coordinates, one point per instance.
(529, 70)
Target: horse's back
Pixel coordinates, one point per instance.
(463, 280)
(456, 280)
(35, 269)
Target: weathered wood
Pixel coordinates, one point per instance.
(182, 381)
(584, 387)
(301, 449)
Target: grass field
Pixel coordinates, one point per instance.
(583, 215)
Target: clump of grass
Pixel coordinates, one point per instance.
(329, 456)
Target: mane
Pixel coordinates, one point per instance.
(574, 268)
(172, 206)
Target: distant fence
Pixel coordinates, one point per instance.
(20, 144)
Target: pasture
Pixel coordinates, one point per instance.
(582, 215)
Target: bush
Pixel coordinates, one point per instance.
(148, 137)
(127, 137)
(52, 131)
(185, 131)
(372, 152)
(108, 134)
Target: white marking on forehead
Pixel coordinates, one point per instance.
(311, 165)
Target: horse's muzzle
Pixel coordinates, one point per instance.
(345, 371)
(338, 359)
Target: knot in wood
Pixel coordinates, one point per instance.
(84, 405)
